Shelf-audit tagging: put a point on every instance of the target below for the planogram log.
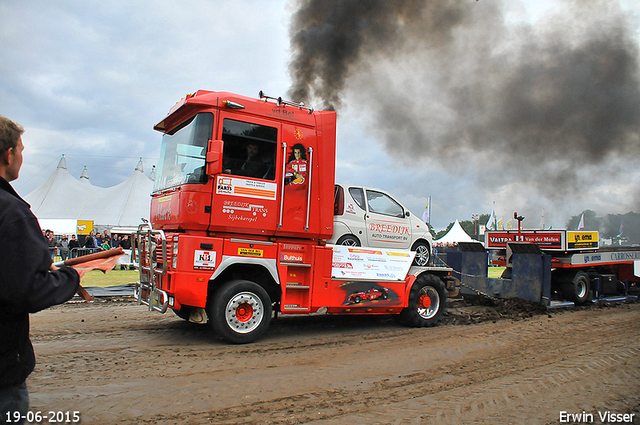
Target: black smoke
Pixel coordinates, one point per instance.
(546, 103)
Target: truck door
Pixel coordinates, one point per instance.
(246, 192)
(386, 222)
(300, 179)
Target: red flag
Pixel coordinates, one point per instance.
(104, 260)
(104, 264)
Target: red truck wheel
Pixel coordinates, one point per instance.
(427, 302)
(240, 311)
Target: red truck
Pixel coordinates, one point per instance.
(241, 211)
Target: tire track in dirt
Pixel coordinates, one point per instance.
(142, 368)
(338, 406)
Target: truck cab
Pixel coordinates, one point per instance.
(234, 164)
(371, 217)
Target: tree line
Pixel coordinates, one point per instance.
(623, 228)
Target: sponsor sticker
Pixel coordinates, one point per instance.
(246, 188)
(365, 251)
(250, 252)
(204, 259)
(398, 254)
(291, 257)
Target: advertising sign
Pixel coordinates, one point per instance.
(558, 240)
(582, 240)
(544, 239)
(84, 227)
(378, 264)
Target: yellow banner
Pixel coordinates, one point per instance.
(581, 239)
(84, 227)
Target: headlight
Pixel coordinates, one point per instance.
(174, 260)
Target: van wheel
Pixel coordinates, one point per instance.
(240, 311)
(427, 302)
(348, 240)
(423, 254)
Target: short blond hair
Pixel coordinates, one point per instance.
(10, 133)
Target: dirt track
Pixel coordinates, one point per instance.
(115, 362)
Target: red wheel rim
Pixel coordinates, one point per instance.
(244, 312)
(424, 301)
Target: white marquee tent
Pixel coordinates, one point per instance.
(454, 235)
(64, 198)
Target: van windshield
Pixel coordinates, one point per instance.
(183, 153)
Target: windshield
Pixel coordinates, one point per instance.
(183, 153)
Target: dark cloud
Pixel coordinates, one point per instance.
(460, 81)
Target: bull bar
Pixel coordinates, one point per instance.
(148, 290)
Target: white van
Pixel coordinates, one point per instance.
(371, 217)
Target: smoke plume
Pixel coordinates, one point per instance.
(547, 104)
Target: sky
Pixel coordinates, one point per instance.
(531, 106)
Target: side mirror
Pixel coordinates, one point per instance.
(407, 214)
(214, 157)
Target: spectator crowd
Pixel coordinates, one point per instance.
(70, 247)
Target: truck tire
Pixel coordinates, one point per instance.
(240, 311)
(577, 289)
(423, 254)
(427, 302)
(348, 240)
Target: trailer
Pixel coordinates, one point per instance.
(552, 267)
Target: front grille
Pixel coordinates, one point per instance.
(158, 251)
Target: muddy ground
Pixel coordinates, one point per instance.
(511, 363)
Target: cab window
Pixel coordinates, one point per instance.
(249, 149)
(383, 204)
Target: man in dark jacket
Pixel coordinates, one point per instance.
(28, 280)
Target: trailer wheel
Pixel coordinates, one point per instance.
(577, 290)
(348, 240)
(427, 302)
(240, 311)
(423, 254)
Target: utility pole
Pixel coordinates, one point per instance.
(475, 218)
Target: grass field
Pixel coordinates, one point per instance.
(113, 278)
(495, 271)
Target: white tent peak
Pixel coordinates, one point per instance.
(85, 174)
(63, 163)
(140, 166)
(152, 175)
(455, 234)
